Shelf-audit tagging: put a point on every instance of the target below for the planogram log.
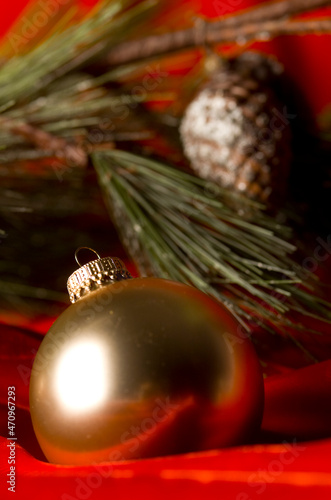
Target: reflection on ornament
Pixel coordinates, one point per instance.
(140, 368)
(82, 376)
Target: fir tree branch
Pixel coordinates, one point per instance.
(173, 228)
(269, 19)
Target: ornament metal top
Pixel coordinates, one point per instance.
(141, 367)
(95, 274)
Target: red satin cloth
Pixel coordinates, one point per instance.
(297, 420)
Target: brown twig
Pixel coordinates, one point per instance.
(73, 154)
(316, 27)
(276, 28)
(272, 18)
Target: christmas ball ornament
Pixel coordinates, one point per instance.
(236, 131)
(141, 367)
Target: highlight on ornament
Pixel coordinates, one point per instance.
(83, 376)
(141, 367)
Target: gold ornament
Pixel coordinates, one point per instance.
(139, 368)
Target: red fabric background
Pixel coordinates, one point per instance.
(297, 419)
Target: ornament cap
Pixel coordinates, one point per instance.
(94, 275)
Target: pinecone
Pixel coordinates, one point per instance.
(236, 130)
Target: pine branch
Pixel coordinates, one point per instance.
(266, 20)
(65, 122)
(174, 229)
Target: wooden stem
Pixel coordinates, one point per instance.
(74, 154)
(272, 18)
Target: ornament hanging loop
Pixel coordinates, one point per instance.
(87, 248)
